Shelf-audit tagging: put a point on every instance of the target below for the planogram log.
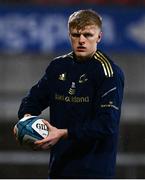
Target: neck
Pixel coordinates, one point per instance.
(84, 58)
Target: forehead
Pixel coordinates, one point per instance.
(88, 28)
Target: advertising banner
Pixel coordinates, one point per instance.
(44, 29)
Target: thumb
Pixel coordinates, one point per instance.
(47, 123)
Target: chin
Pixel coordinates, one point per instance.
(82, 55)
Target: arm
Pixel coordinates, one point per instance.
(105, 122)
(38, 97)
(107, 109)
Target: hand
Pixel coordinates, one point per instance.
(53, 137)
(15, 131)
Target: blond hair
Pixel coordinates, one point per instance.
(82, 18)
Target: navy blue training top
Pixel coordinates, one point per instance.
(85, 98)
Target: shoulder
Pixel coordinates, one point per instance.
(60, 62)
(62, 58)
(107, 65)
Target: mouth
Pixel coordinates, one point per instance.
(81, 48)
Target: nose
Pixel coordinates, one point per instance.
(81, 39)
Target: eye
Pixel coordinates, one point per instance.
(87, 35)
(75, 34)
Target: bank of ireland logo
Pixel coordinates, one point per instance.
(72, 89)
(83, 78)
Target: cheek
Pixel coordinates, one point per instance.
(73, 42)
(93, 44)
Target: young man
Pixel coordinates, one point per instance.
(84, 90)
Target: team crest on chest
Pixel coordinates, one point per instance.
(83, 78)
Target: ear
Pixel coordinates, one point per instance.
(99, 37)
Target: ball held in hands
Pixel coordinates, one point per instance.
(30, 129)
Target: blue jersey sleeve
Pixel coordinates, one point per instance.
(38, 97)
(107, 108)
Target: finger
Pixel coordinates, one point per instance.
(45, 140)
(46, 146)
(42, 146)
(36, 147)
(14, 131)
(38, 142)
(15, 134)
(46, 123)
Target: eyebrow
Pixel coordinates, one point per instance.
(77, 34)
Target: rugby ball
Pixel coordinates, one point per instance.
(30, 129)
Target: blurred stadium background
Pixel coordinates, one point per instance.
(32, 32)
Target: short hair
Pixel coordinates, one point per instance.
(82, 18)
